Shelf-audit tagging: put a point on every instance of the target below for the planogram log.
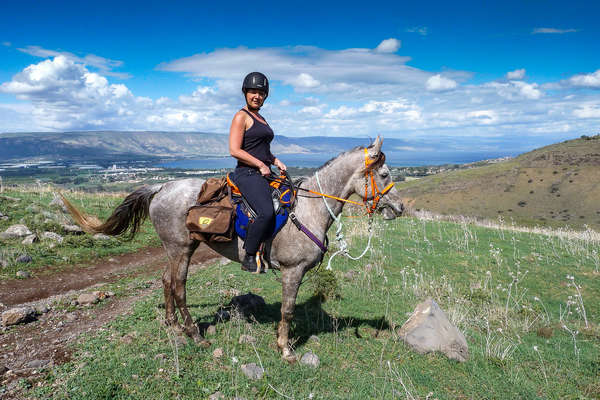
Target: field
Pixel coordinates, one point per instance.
(526, 302)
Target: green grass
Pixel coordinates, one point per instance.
(33, 210)
(498, 286)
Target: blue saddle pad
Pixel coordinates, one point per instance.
(244, 217)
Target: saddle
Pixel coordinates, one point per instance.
(221, 211)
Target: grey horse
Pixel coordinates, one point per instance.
(291, 249)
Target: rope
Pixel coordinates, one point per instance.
(339, 236)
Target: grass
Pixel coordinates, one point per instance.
(526, 303)
(32, 208)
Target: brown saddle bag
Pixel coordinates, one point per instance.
(211, 218)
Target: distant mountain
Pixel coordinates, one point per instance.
(553, 185)
(96, 145)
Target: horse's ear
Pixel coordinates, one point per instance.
(374, 149)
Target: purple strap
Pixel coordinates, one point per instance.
(307, 232)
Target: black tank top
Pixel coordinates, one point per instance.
(257, 141)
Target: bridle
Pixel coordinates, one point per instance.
(376, 194)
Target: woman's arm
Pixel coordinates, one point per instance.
(236, 138)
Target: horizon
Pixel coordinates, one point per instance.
(464, 76)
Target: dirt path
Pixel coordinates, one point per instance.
(26, 349)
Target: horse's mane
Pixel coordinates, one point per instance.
(374, 165)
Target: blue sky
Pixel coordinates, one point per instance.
(520, 71)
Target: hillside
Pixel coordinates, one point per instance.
(100, 145)
(555, 185)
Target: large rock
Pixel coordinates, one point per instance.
(53, 236)
(15, 231)
(428, 329)
(30, 239)
(72, 229)
(310, 359)
(253, 371)
(17, 315)
(57, 201)
(24, 259)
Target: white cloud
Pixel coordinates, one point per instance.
(516, 90)
(104, 65)
(553, 30)
(390, 45)
(586, 80)
(421, 30)
(305, 80)
(529, 91)
(438, 83)
(516, 74)
(587, 111)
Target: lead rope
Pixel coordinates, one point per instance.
(339, 236)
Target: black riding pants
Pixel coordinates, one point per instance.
(256, 191)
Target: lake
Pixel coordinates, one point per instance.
(393, 158)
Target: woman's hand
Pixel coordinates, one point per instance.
(264, 170)
(279, 164)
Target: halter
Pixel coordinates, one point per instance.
(376, 194)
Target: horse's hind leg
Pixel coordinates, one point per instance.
(179, 279)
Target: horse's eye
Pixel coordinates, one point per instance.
(384, 175)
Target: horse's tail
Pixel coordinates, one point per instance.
(130, 214)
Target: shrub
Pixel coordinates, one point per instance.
(325, 284)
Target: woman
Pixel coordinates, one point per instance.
(250, 143)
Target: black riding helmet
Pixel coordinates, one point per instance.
(256, 80)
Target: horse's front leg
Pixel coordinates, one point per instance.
(291, 278)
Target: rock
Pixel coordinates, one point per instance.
(37, 364)
(349, 275)
(18, 315)
(310, 359)
(211, 330)
(101, 236)
(216, 396)
(428, 330)
(53, 236)
(15, 231)
(30, 239)
(73, 229)
(218, 353)
(57, 201)
(42, 308)
(88, 298)
(246, 305)
(252, 371)
(313, 339)
(23, 274)
(247, 339)
(24, 259)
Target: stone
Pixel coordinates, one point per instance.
(428, 330)
(72, 229)
(18, 315)
(58, 202)
(252, 371)
(42, 308)
(37, 364)
(247, 339)
(218, 353)
(310, 359)
(53, 236)
(30, 239)
(313, 339)
(216, 396)
(15, 231)
(23, 274)
(24, 259)
(211, 330)
(349, 275)
(88, 298)
(101, 236)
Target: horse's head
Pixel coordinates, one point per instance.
(372, 178)
(391, 205)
